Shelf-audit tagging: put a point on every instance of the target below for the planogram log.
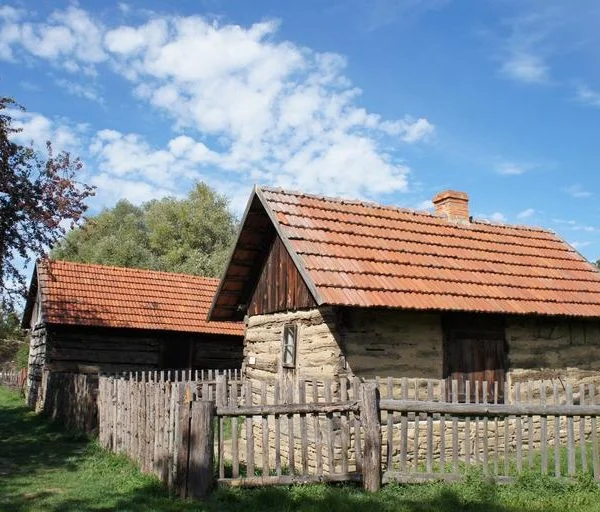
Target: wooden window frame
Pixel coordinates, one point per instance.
(289, 330)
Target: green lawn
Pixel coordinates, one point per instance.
(43, 468)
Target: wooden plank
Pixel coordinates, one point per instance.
(594, 435)
(317, 431)
(344, 427)
(404, 429)
(200, 465)
(429, 454)
(496, 432)
(390, 425)
(529, 427)
(454, 428)
(544, 431)
(582, 422)
(265, 431)
(303, 427)
(443, 397)
(235, 451)
(265, 481)
(486, 468)
(467, 424)
(249, 431)
(276, 400)
(476, 424)
(556, 432)
(372, 451)
(416, 426)
(506, 427)
(329, 428)
(570, 435)
(291, 437)
(519, 430)
(183, 449)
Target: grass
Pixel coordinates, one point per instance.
(43, 468)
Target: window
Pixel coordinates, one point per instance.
(290, 335)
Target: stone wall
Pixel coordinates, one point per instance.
(549, 349)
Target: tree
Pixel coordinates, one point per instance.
(13, 345)
(191, 235)
(39, 199)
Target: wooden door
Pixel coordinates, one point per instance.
(475, 351)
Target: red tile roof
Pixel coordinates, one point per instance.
(364, 254)
(102, 296)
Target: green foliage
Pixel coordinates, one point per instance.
(191, 235)
(14, 349)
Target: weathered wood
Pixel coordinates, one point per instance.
(582, 422)
(183, 449)
(489, 410)
(372, 440)
(570, 435)
(429, 453)
(235, 455)
(556, 432)
(249, 433)
(486, 468)
(454, 426)
(544, 432)
(200, 469)
(290, 428)
(404, 429)
(277, 398)
(265, 431)
(329, 426)
(529, 428)
(264, 481)
(594, 435)
(390, 426)
(303, 427)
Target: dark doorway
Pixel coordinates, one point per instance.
(475, 352)
(176, 354)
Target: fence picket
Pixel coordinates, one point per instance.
(570, 435)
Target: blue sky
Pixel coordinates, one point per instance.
(387, 100)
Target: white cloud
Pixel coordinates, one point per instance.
(525, 214)
(513, 168)
(498, 217)
(427, 204)
(588, 96)
(111, 189)
(81, 90)
(37, 129)
(249, 104)
(527, 68)
(577, 191)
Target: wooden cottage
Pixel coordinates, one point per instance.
(94, 318)
(332, 288)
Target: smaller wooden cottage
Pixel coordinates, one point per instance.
(332, 288)
(95, 318)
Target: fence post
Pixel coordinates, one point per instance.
(182, 445)
(371, 459)
(200, 471)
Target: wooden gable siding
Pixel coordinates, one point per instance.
(280, 286)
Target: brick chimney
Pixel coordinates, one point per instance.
(452, 204)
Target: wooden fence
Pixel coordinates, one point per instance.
(139, 414)
(14, 379)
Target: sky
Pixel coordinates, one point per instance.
(384, 100)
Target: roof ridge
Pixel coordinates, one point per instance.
(127, 269)
(380, 206)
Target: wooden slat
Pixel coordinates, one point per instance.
(556, 432)
(467, 424)
(277, 399)
(594, 435)
(582, 422)
(404, 429)
(265, 431)
(454, 429)
(303, 427)
(249, 432)
(485, 438)
(344, 434)
(544, 431)
(506, 425)
(235, 455)
(291, 437)
(496, 431)
(390, 426)
(417, 428)
(329, 421)
(317, 431)
(570, 435)
(519, 430)
(442, 428)
(357, 427)
(529, 427)
(476, 424)
(429, 453)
